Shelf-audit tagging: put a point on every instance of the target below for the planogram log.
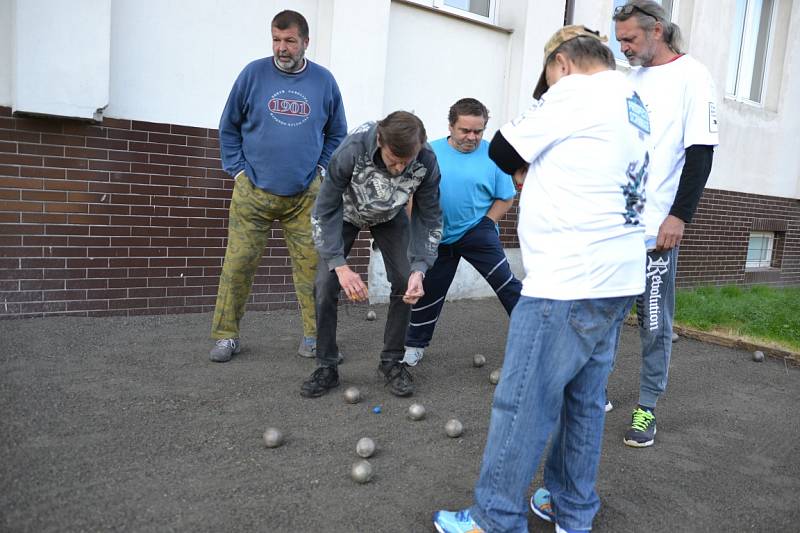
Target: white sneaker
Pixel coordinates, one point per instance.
(413, 355)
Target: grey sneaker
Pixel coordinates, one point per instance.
(308, 348)
(224, 350)
(642, 432)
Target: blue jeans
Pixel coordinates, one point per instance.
(557, 361)
(392, 239)
(654, 310)
(480, 245)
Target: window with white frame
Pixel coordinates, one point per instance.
(480, 10)
(750, 41)
(670, 6)
(759, 249)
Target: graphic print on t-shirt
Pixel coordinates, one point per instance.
(633, 191)
(289, 108)
(637, 114)
(637, 174)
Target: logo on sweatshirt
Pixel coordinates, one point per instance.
(289, 108)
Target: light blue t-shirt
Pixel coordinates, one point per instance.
(469, 185)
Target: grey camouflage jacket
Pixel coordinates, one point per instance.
(357, 191)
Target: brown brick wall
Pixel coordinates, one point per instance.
(714, 248)
(130, 217)
(124, 217)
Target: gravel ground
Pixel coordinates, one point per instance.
(122, 424)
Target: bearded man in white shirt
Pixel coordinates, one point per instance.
(680, 97)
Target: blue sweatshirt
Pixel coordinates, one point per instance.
(278, 126)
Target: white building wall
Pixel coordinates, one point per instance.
(758, 143)
(758, 150)
(60, 57)
(6, 50)
(433, 60)
(533, 24)
(176, 61)
(357, 58)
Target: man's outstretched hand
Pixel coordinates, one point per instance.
(414, 291)
(351, 284)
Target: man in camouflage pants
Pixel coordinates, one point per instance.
(283, 120)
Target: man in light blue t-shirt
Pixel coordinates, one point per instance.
(474, 196)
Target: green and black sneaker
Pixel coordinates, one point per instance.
(643, 429)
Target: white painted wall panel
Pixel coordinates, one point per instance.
(61, 57)
(6, 50)
(433, 60)
(176, 61)
(358, 58)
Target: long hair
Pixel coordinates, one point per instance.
(647, 14)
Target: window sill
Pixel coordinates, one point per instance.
(762, 275)
(430, 9)
(748, 105)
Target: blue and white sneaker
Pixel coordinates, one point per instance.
(543, 508)
(413, 355)
(455, 522)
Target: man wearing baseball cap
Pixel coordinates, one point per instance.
(583, 154)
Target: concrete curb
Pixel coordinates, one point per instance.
(729, 342)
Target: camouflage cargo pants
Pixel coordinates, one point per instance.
(252, 213)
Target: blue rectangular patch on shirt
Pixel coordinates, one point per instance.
(637, 115)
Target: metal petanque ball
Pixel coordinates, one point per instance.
(675, 337)
(453, 428)
(478, 360)
(273, 437)
(371, 315)
(352, 395)
(758, 356)
(494, 377)
(416, 411)
(361, 471)
(365, 447)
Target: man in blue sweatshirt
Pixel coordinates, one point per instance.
(283, 120)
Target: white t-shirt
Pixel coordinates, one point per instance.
(680, 97)
(579, 228)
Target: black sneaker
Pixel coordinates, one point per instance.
(398, 378)
(321, 381)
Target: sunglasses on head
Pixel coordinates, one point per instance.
(627, 9)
